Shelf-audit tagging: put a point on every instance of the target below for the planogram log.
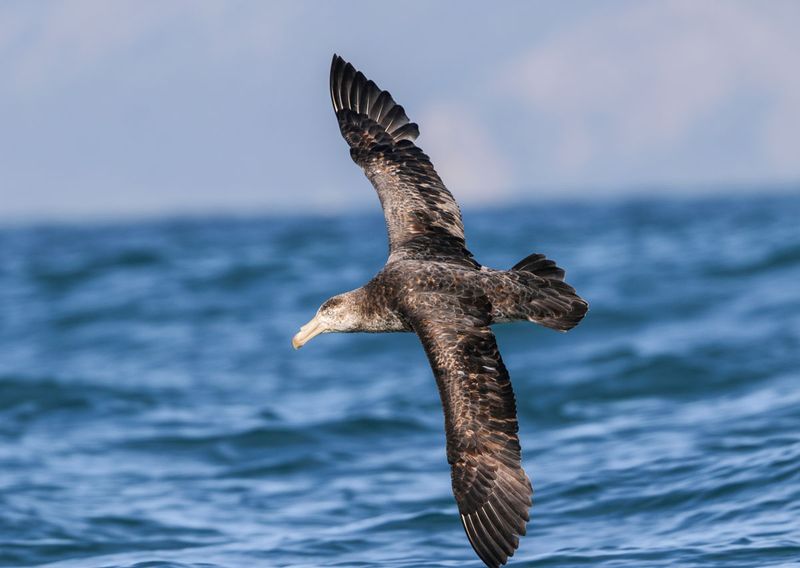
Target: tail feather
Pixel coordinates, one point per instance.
(564, 308)
(546, 299)
(540, 265)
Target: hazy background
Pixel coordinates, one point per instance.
(138, 108)
(152, 409)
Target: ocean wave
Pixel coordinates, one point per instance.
(153, 412)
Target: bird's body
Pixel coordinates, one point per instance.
(512, 295)
(431, 285)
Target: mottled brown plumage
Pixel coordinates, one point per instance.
(432, 285)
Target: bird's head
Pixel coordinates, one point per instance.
(339, 314)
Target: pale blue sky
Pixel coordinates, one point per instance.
(136, 108)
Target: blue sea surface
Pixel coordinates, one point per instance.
(153, 412)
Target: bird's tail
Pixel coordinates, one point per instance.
(540, 265)
(556, 304)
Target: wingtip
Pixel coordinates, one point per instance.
(337, 66)
(351, 90)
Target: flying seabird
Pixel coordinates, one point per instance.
(431, 285)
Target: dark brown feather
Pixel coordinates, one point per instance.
(491, 489)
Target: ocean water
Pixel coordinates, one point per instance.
(153, 412)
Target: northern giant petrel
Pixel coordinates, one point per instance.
(431, 285)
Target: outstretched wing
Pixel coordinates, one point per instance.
(491, 489)
(422, 218)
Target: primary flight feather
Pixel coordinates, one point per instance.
(431, 285)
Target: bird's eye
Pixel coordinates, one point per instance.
(332, 303)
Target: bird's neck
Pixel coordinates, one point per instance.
(373, 310)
